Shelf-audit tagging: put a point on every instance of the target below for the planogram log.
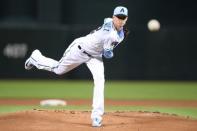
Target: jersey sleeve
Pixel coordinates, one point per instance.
(111, 38)
(107, 26)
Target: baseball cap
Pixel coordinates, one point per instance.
(121, 11)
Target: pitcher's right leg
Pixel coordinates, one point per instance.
(67, 63)
(41, 62)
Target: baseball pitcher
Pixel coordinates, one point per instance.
(88, 49)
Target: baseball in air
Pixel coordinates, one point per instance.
(153, 25)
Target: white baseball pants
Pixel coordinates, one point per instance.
(72, 58)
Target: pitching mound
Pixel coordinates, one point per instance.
(45, 120)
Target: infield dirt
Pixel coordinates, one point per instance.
(57, 120)
(62, 120)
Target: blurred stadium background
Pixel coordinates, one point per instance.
(51, 25)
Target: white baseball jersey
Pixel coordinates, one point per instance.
(105, 37)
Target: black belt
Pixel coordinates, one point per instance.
(84, 51)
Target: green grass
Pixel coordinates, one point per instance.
(113, 90)
(123, 90)
(45, 89)
(152, 90)
(191, 112)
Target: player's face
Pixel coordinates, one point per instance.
(119, 22)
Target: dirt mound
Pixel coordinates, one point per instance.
(57, 120)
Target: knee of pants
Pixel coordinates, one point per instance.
(58, 71)
(99, 81)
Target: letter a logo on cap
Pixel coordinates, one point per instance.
(122, 10)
